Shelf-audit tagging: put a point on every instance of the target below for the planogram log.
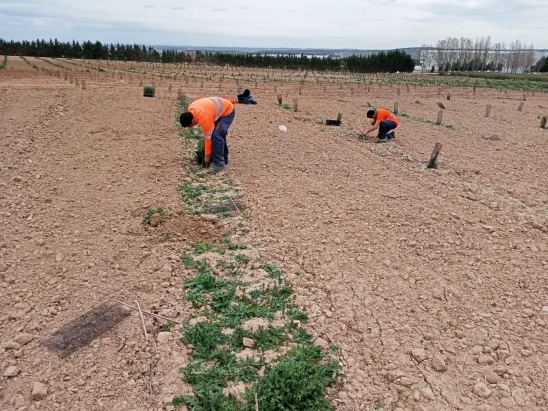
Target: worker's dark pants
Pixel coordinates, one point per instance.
(385, 126)
(219, 147)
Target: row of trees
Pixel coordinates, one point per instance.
(390, 61)
(542, 65)
(464, 54)
(91, 50)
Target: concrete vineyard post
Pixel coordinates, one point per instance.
(440, 117)
(433, 162)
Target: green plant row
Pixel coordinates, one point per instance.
(296, 379)
(235, 365)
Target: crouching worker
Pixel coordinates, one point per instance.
(383, 120)
(214, 115)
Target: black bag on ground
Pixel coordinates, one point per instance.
(246, 97)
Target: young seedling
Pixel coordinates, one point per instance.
(154, 216)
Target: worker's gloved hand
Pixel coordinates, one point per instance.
(207, 161)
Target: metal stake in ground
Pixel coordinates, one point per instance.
(433, 162)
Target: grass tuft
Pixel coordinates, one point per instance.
(151, 212)
(297, 382)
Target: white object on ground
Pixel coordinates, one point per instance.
(283, 128)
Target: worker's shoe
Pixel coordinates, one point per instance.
(215, 169)
(381, 140)
(390, 135)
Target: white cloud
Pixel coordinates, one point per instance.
(285, 23)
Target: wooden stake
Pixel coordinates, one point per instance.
(396, 107)
(295, 105)
(520, 106)
(142, 320)
(487, 110)
(433, 162)
(448, 96)
(543, 121)
(440, 117)
(280, 99)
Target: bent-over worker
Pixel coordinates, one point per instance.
(214, 115)
(383, 120)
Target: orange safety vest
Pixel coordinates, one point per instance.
(383, 114)
(207, 111)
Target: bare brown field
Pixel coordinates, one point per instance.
(433, 283)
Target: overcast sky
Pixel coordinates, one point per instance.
(365, 24)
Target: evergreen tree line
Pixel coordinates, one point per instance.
(542, 65)
(389, 61)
